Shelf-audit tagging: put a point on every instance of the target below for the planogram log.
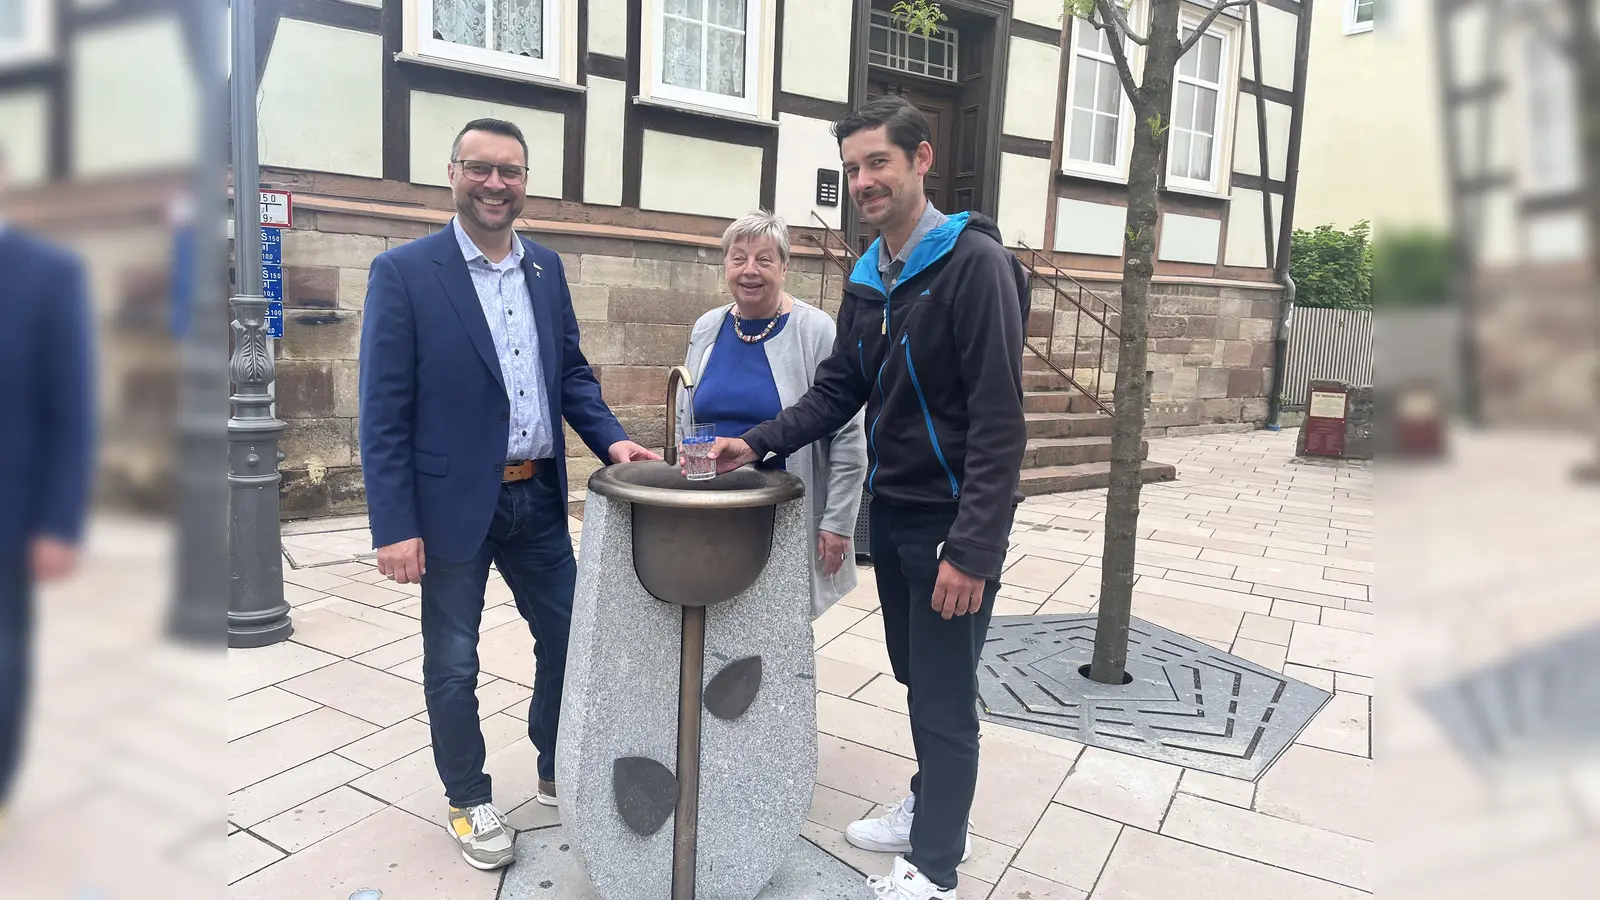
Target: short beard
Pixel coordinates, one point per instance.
(468, 209)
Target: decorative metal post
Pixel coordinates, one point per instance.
(257, 612)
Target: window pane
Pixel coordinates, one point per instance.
(1105, 140)
(1088, 37)
(1189, 65)
(1183, 107)
(1364, 10)
(1210, 48)
(1083, 91)
(1082, 138)
(462, 22)
(725, 64)
(1179, 153)
(878, 41)
(519, 27)
(11, 19)
(1109, 97)
(728, 13)
(689, 9)
(1200, 165)
(681, 47)
(1205, 112)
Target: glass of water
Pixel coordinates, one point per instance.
(697, 443)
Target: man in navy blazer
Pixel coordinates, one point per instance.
(46, 449)
(469, 364)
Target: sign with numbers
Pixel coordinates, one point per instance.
(277, 209)
(275, 318)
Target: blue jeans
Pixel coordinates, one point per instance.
(15, 637)
(528, 542)
(937, 660)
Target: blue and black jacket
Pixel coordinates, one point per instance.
(937, 361)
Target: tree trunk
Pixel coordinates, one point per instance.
(1152, 100)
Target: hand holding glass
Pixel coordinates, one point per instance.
(696, 448)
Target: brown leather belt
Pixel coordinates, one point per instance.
(521, 471)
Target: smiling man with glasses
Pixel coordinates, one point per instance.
(469, 363)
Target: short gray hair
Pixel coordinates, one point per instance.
(756, 225)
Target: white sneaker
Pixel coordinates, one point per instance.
(486, 841)
(904, 882)
(891, 832)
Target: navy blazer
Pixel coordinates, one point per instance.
(434, 413)
(46, 394)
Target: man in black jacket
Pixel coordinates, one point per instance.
(930, 341)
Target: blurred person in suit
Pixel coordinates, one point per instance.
(469, 363)
(46, 449)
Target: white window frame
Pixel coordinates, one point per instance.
(1227, 29)
(549, 67)
(1351, 25)
(1135, 56)
(38, 36)
(755, 40)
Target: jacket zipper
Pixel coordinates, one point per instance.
(955, 489)
(872, 437)
(861, 356)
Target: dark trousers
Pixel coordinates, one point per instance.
(937, 660)
(528, 542)
(16, 614)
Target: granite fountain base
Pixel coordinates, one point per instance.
(617, 757)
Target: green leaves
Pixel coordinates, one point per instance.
(920, 16)
(1412, 269)
(1158, 126)
(1079, 9)
(1332, 269)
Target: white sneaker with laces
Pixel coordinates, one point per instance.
(891, 832)
(486, 841)
(904, 882)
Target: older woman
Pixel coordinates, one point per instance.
(754, 357)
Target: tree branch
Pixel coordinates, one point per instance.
(1200, 30)
(1122, 23)
(1118, 54)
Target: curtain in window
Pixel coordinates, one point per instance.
(519, 27)
(461, 21)
(703, 47)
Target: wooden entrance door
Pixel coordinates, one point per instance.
(940, 109)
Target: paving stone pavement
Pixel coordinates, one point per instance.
(331, 788)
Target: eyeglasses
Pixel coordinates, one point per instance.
(479, 171)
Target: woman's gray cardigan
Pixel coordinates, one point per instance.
(833, 469)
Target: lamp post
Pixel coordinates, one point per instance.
(257, 612)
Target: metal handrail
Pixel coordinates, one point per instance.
(846, 264)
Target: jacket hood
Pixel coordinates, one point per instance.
(935, 245)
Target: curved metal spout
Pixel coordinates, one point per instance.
(678, 377)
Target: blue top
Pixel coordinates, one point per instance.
(736, 391)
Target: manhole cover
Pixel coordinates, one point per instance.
(1541, 705)
(1187, 703)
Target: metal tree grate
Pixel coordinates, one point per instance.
(1188, 703)
(1542, 705)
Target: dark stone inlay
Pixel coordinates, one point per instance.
(734, 688)
(646, 793)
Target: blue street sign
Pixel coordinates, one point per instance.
(271, 251)
(275, 318)
(272, 288)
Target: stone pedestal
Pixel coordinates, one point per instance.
(621, 703)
